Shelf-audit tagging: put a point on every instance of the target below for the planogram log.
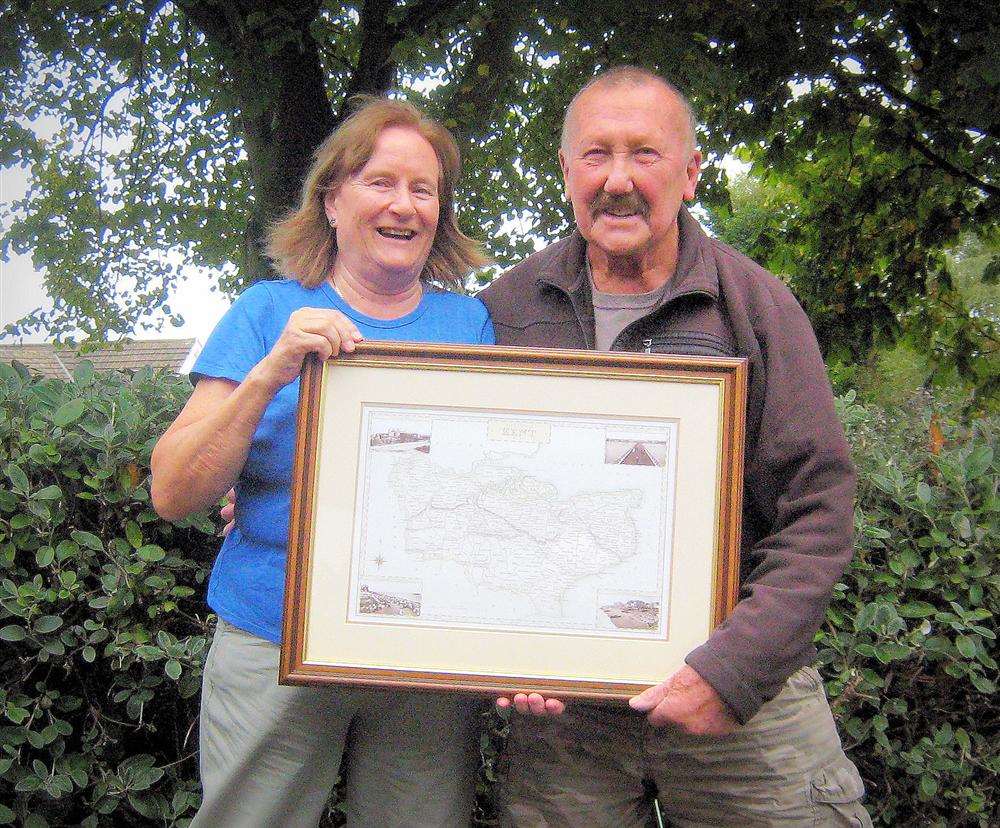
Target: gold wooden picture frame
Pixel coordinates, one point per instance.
(494, 519)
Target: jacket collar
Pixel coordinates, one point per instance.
(564, 269)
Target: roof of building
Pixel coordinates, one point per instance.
(59, 361)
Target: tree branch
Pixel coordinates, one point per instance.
(928, 111)
(871, 109)
(914, 141)
(419, 15)
(478, 92)
(375, 73)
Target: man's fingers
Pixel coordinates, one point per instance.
(661, 715)
(228, 512)
(650, 697)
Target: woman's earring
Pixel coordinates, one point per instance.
(333, 222)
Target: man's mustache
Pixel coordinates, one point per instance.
(631, 202)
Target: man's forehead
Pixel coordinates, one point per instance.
(641, 107)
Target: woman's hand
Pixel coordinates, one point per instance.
(308, 331)
(534, 704)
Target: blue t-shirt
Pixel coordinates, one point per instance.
(247, 584)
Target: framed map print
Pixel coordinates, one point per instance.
(508, 519)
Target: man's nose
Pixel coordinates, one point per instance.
(619, 179)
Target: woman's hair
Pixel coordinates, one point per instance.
(303, 246)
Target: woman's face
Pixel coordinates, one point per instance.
(387, 213)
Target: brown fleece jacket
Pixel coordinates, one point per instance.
(799, 483)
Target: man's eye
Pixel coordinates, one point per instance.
(647, 153)
(380, 183)
(425, 192)
(595, 153)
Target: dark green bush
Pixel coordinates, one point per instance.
(102, 613)
(104, 627)
(909, 648)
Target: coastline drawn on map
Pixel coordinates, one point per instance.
(514, 521)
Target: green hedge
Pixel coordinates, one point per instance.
(102, 612)
(104, 627)
(909, 647)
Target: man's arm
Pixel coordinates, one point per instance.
(800, 489)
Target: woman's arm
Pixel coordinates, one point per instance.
(201, 454)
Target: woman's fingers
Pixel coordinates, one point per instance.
(339, 331)
(347, 332)
(310, 331)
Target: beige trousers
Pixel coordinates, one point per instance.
(600, 766)
(270, 755)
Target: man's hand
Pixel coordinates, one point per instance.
(688, 702)
(533, 703)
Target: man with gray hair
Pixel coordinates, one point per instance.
(742, 733)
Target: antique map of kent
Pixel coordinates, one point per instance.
(513, 521)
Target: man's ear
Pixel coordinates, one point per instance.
(563, 165)
(693, 171)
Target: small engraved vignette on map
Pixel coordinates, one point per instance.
(629, 451)
(398, 600)
(635, 612)
(396, 440)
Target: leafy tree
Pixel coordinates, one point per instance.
(949, 337)
(184, 128)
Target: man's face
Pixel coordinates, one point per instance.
(627, 165)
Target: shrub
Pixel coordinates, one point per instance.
(102, 613)
(909, 648)
(104, 627)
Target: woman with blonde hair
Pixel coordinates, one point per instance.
(372, 239)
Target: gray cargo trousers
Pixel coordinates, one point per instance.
(597, 766)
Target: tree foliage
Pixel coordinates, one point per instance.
(947, 337)
(183, 129)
